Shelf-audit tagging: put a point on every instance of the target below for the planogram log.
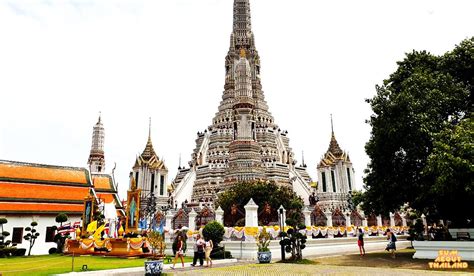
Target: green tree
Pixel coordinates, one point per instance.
(214, 231)
(424, 97)
(261, 193)
(32, 235)
(3, 234)
(357, 198)
(451, 165)
(60, 239)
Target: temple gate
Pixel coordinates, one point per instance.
(317, 217)
(338, 218)
(204, 216)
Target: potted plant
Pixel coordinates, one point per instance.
(154, 265)
(263, 241)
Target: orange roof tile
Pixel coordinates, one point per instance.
(103, 182)
(43, 173)
(108, 198)
(36, 208)
(42, 191)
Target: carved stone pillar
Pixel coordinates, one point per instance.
(364, 219)
(192, 220)
(307, 216)
(169, 218)
(329, 218)
(220, 215)
(404, 219)
(425, 224)
(251, 215)
(392, 219)
(348, 218)
(379, 221)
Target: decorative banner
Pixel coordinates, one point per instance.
(351, 231)
(88, 213)
(133, 209)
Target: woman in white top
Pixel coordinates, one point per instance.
(208, 250)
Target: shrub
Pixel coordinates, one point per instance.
(218, 253)
(20, 252)
(214, 231)
(32, 235)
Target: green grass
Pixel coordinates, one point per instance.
(404, 259)
(54, 264)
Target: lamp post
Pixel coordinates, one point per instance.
(280, 212)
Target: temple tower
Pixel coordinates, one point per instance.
(151, 174)
(96, 160)
(243, 143)
(336, 176)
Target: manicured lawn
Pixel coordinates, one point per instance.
(54, 264)
(403, 260)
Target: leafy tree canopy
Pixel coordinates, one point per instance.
(421, 140)
(214, 231)
(260, 192)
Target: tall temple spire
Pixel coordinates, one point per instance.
(332, 127)
(333, 145)
(96, 160)
(243, 143)
(149, 130)
(242, 29)
(149, 151)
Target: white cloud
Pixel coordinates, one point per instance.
(61, 62)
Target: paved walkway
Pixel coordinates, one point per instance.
(167, 269)
(298, 269)
(234, 267)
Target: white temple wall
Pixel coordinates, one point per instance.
(41, 247)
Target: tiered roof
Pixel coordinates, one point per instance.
(333, 154)
(149, 157)
(39, 189)
(105, 189)
(45, 189)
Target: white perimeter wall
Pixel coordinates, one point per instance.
(41, 246)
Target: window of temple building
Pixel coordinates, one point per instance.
(162, 184)
(17, 236)
(152, 184)
(136, 178)
(333, 178)
(349, 178)
(50, 232)
(323, 174)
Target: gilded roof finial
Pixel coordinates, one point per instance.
(332, 128)
(149, 129)
(243, 54)
(100, 116)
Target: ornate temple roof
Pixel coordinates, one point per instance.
(334, 152)
(42, 189)
(149, 156)
(46, 189)
(105, 189)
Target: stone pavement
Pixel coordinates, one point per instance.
(299, 269)
(234, 267)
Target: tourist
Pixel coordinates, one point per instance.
(391, 244)
(198, 251)
(360, 242)
(179, 251)
(209, 246)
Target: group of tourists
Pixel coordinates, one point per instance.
(391, 247)
(202, 249)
